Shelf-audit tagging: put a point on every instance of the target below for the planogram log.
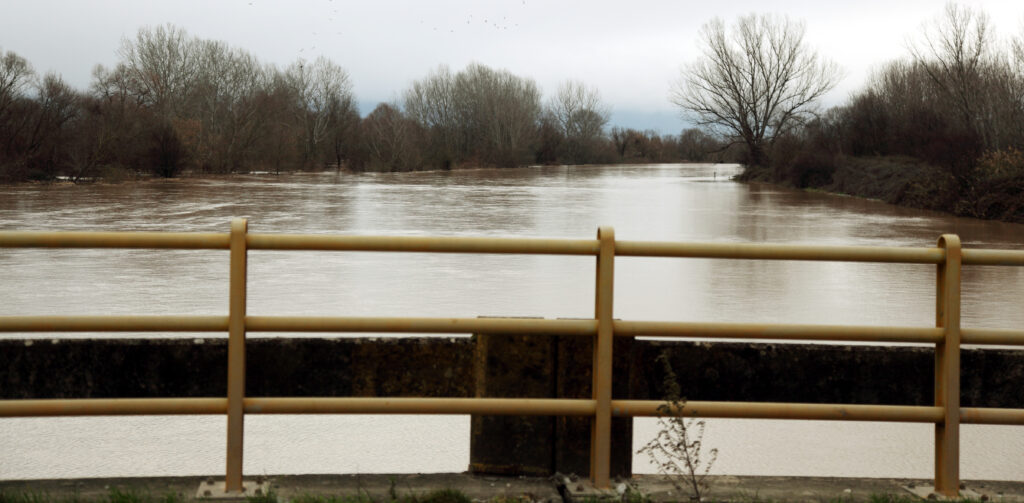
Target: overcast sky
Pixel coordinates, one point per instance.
(630, 50)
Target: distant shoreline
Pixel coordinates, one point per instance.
(148, 178)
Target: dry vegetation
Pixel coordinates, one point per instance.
(941, 129)
(177, 104)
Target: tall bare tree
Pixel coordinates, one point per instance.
(755, 82)
(16, 79)
(432, 103)
(498, 113)
(954, 50)
(581, 116)
(162, 64)
(576, 107)
(323, 89)
(390, 139)
(478, 115)
(225, 120)
(982, 81)
(16, 76)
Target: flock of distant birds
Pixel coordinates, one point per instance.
(504, 25)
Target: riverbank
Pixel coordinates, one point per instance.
(907, 181)
(137, 177)
(417, 488)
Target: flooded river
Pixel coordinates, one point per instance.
(642, 202)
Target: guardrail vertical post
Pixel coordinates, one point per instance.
(236, 355)
(601, 429)
(947, 369)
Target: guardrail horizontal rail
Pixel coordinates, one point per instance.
(448, 244)
(771, 410)
(402, 405)
(460, 244)
(113, 323)
(581, 327)
(991, 415)
(113, 407)
(758, 251)
(992, 336)
(778, 331)
(426, 325)
(993, 257)
(155, 240)
(496, 406)
(298, 405)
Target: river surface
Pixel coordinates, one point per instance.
(642, 202)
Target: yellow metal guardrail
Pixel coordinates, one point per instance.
(947, 335)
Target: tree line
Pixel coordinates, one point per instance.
(175, 103)
(941, 128)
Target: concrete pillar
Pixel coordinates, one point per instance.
(573, 380)
(513, 366)
(543, 366)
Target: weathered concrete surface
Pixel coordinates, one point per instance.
(542, 366)
(811, 489)
(286, 487)
(434, 366)
(379, 486)
(533, 489)
(534, 366)
(575, 380)
(818, 373)
(513, 366)
(108, 368)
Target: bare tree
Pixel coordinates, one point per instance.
(478, 115)
(955, 50)
(162, 65)
(1017, 49)
(322, 88)
(228, 122)
(581, 117)
(390, 139)
(16, 76)
(498, 114)
(578, 109)
(755, 81)
(281, 131)
(431, 102)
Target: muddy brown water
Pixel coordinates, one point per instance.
(642, 202)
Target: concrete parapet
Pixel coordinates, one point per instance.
(823, 373)
(504, 366)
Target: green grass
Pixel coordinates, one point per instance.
(119, 496)
(114, 496)
(308, 498)
(632, 497)
(874, 498)
(899, 498)
(438, 496)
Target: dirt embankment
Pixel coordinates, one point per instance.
(907, 181)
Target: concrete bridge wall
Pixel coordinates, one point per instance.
(503, 366)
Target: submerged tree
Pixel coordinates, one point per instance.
(755, 82)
